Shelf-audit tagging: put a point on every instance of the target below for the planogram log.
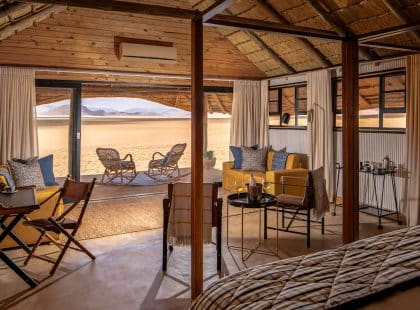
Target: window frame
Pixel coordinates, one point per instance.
(297, 112)
(382, 109)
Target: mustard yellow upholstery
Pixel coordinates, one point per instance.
(28, 234)
(296, 165)
(3, 181)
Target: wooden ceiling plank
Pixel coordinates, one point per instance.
(122, 6)
(29, 21)
(217, 7)
(321, 58)
(323, 11)
(250, 24)
(396, 9)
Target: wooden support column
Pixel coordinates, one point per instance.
(197, 143)
(350, 84)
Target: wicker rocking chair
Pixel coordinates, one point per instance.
(117, 169)
(166, 168)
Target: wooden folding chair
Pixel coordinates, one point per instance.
(73, 193)
(178, 195)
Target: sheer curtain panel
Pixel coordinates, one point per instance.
(249, 121)
(18, 134)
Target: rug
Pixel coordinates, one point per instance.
(142, 179)
(120, 216)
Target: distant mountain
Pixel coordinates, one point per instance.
(60, 110)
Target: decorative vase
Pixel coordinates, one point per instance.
(209, 163)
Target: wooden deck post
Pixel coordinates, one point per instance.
(197, 200)
(350, 84)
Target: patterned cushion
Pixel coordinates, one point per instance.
(254, 160)
(279, 160)
(27, 174)
(237, 155)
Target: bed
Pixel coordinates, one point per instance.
(351, 275)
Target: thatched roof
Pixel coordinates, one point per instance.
(78, 38)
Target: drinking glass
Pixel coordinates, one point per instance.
(239, 188)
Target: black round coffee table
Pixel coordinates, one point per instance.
(241, 201)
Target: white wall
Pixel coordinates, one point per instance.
(373, 147)
(295, 140)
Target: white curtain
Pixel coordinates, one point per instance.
(413, 140)
(249, 121)
(320, 126)
(18, 134)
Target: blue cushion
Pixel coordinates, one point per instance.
(237, 155)
(279, 160)
(8, 178)
(47, 169)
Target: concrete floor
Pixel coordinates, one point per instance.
(126, 273)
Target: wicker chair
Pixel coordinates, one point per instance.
(117, 169)
(166, 167)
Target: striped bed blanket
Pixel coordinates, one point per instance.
(322, 280)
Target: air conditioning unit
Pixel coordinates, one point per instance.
(147, 52)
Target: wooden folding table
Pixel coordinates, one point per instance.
(16, 206)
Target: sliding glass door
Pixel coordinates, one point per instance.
(58, 116)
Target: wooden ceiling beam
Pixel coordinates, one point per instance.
(321, 58)
(219, 104)
(217, 7)
(29, 21)
(388, 32)
(122, 6)
(249, 24)
(324, 12)
(12, 9)
(404, 48)
(396, 9)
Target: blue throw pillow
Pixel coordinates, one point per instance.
(279, 160)
(47, 163)
(237, 155)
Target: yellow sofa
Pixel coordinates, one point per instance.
(296, 166)
(28, 234)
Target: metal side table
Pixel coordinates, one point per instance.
(241, 201)
(377, 209)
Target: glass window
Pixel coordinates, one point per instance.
(274, 94)
(394, 100)
(291, 100)
(394, 120)
(381, 101)
(274, 107)
(395, 82)
(274, 120)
